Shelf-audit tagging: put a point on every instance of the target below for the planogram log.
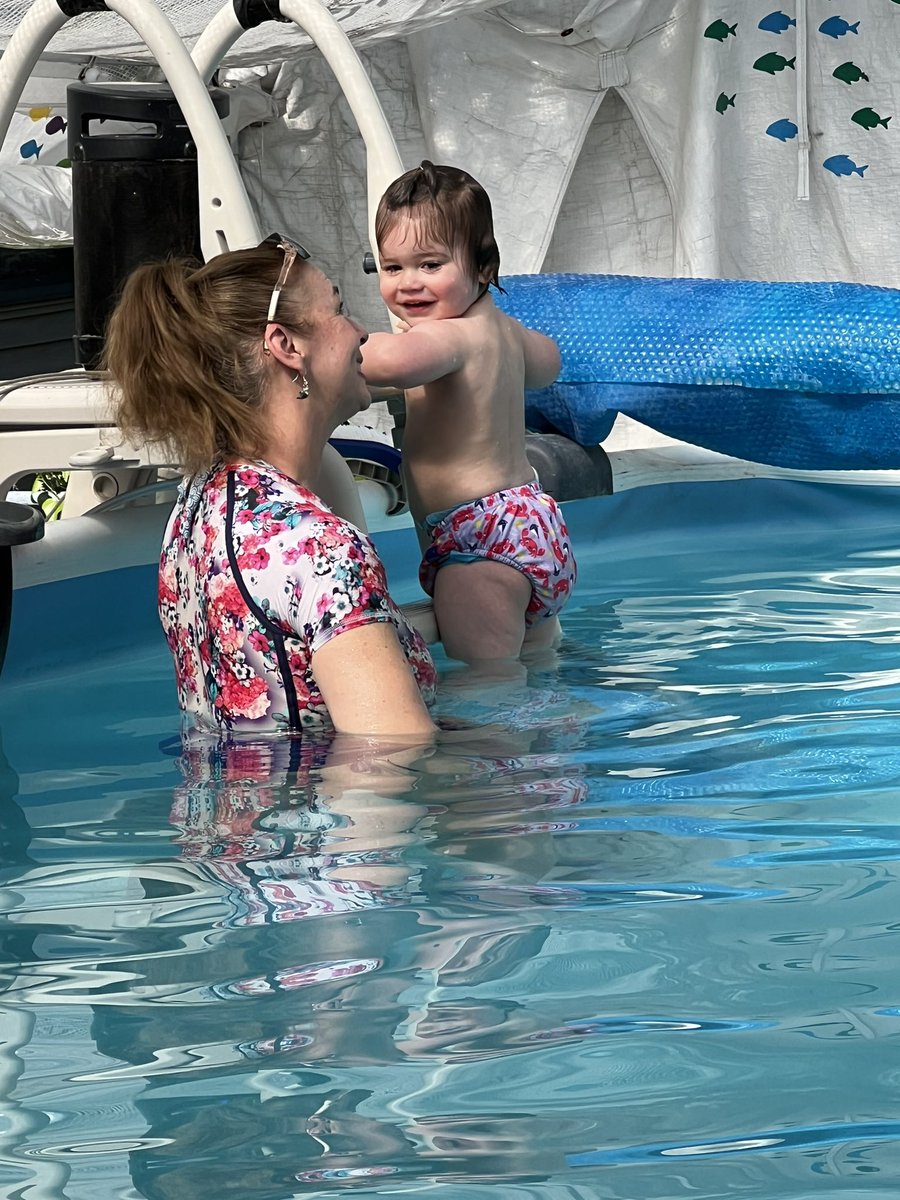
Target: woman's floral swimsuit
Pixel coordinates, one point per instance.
(256, 574)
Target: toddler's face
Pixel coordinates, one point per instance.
(421, 279)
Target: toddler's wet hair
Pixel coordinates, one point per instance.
(451, 208)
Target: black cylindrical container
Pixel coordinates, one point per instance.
(134, 192)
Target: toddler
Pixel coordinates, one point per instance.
(497, 558)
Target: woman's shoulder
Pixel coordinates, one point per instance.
(267, 501)
(259, 485)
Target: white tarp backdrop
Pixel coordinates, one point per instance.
(662, 137)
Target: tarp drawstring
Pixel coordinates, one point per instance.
(802, 105)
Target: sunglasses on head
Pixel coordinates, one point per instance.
(292, 251)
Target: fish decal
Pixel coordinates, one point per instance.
(56, 124)
(849, 72)
(724, 102)
(64, 162)
(719, 31)
(869, 118)
(776, 22)
(38, 113)
(840, 164)
(783, 130)
(770, 63)
(836, 27)
(31, 150)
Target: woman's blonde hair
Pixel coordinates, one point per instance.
(184, 346)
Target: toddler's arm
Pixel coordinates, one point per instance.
(425, 353)
(542, 360)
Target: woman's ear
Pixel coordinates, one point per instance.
(283, 346)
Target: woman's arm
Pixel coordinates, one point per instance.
(368, 686)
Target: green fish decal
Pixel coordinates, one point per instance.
(720, 31)
(849, 72)
(724, 102)
(770, 63)
(869, 118)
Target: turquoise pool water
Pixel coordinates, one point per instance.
(639, 941)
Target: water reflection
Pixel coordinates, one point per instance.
(342, 882)
(614, 907)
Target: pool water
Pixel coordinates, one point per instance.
(637, 940)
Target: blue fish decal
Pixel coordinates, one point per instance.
(783, 130)
(836, 27)
(840, 164)
(776, 22)
(31, 149)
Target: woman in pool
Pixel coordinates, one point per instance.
(276, 610)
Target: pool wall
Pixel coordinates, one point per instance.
(57, 623)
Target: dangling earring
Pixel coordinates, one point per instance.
(303, 393)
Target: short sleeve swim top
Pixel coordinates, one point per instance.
(256, 574)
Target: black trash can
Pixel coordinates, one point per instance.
(134, 192)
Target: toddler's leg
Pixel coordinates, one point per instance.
(543, 636)
(480, 610)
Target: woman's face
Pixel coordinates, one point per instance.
(333, 358)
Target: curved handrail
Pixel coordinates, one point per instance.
(227, 221)
(383, 162)
(26, 45)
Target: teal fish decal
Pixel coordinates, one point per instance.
(31, 149)
(776, 22)
(783, 130)
(719, 31)
(770, 63)
(836, 27)
(724, 102)
(840, 164)
(849, 72)
(869, 118)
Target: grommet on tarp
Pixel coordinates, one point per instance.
(20, 524)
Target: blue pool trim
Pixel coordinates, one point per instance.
(385, 456)
(114, 612)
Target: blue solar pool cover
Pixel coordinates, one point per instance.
(802, 375)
